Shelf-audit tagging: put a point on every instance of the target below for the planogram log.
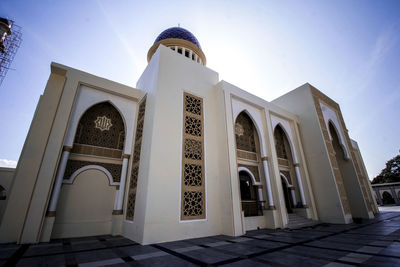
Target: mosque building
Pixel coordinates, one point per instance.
(182, 155)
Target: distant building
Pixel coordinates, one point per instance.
(183, 155)
(387, 193)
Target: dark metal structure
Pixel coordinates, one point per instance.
(10, 40)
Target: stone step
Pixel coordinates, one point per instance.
(296, 221)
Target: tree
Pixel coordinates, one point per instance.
(391, 173)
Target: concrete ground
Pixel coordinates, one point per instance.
(371, 243)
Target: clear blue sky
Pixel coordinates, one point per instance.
(350, 50)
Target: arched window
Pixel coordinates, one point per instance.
(281, 143)
(101, 126)
(245, 133)
(335, 142)
(387, 198)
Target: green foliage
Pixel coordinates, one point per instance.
(391, 173)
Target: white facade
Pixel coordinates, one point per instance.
(145, 185)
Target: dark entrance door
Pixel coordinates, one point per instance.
(287, 198)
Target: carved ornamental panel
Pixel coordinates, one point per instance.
(193, 186)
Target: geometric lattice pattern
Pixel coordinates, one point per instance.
(192, 175)
(193, 149)
(193, 104)
(101, 126)
(192, 126)
(192, 203)
(280, 137)
(193, 186)
(244, 132)
(130, 208)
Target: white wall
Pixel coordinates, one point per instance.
(85, 207)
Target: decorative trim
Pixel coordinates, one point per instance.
(71, 179)
(117, 212)
(130, 208)
(74, 167)
(67, 148)
(126, 156)
(296, 164)
(176, 42)
(317, 97)
(264, 158)
(50, 214)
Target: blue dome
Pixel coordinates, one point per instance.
(179, 33)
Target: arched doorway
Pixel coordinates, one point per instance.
(249, 158)
(248, 194)
(286, 169)
(86, 200)
(387, 198)
(85, 206)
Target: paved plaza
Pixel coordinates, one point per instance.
(371, 243)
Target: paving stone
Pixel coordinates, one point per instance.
(355, 258)
(316, 252)
(381, 261)
(87, 245)
(369, 249)
(168, 260)
(201, 241)
(57, 260)
(209, 255)
(6, 251)
(249, 263)
(240, 249)
(336, 264)
(333, 245)
(267, 244)
(44, 250)
(96, 255)
(217, 244)
(176, 244)
(285, 259)
(138, 250)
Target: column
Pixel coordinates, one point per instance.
(395, 197)
(196, 58)
(268, 183)
(378, 196)
(297, 169)
(293, 196)
(119, 198)
(190, 54)
(58, 182)
(260, 196)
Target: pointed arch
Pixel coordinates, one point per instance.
(255, 124)
(332, 125)
(288, 139)
(110, 137)
(249, 131)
